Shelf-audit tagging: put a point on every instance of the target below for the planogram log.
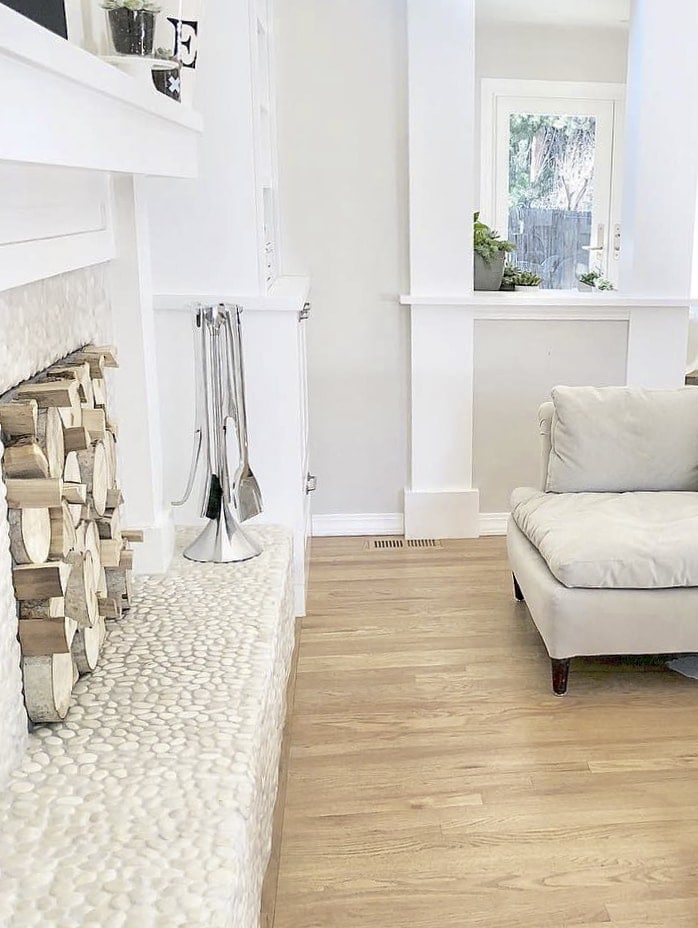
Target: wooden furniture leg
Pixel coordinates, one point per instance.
(561, 670)
(517, 590)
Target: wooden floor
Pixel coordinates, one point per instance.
(434, 781)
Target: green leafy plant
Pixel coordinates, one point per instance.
(595, 280)
(589, 278)
(488, 243)
(526, 279)
(148, 6)
(604, 284)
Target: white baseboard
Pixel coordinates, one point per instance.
(390, 523)
(493, 523)
(358, 523)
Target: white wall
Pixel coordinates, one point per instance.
(342, 112)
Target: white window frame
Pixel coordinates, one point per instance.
(495, 88)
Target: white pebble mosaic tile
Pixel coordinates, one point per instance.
(151, 805)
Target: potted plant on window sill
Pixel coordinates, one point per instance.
(490, 251)
(526, 280)
(592, 280)
(132, 25)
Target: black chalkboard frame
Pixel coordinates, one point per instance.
(47, 13)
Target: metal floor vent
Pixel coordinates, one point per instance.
(392, 544)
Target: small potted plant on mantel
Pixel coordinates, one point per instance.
(526, 280)
(490, 251)
(168, 81)
(132, 25)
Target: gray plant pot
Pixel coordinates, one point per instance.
(132, 31)
(488, 275)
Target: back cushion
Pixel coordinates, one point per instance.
(615, 439)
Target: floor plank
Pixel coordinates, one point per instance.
(434, 781)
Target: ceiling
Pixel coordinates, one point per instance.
(608, 13)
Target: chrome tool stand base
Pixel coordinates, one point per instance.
(223, 541)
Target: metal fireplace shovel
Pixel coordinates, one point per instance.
(222, 539)
(245, 489)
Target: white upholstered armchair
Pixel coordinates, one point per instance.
(605, 553)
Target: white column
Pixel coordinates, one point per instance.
(657, 346)
(441, 49)
(661, 169)
(440, 501)
(139, 445)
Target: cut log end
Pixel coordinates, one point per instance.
(48, 684)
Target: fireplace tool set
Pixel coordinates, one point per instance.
(231, 496)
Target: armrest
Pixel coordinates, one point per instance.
(545, 424)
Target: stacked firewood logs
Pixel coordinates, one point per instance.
(71, 558)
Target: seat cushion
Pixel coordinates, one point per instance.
(615, 439)
(613, 540)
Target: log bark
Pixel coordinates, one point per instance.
(26, 459)
(63, 535)
(79, 371)
(40, 581)
(34, 494)
(80, 594)
(115, 498)
(30, 535)
(18, 420)
(52, 608)
(93, 472)
(76, 439)
(110, 607)
(48, 684)
(49, 434)
(119, 584)
(46, 636)
(59, 393)
(109, 525)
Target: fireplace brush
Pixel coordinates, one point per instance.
(220, 400)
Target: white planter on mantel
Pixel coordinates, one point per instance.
(63, 106)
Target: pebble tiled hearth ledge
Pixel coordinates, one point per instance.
(151, 805)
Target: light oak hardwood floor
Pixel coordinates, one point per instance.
(435, 781)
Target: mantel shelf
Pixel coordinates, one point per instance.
(63, 106)
(541, 298)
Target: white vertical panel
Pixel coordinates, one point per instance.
(442, 397)
(441, 44)
(659, 201)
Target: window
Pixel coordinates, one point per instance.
(549, 182)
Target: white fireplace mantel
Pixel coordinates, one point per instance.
(64, 106)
